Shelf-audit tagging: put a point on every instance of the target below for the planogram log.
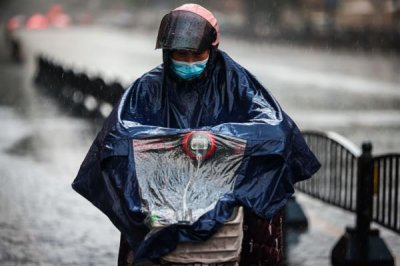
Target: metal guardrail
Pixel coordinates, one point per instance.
(348, 179)
(87, 96)
(386, 199)
(336, 181)
(342, 172)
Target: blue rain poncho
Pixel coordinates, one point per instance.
(227, 101)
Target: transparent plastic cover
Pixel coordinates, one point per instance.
(181, 177)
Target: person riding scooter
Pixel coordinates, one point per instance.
(198, 88)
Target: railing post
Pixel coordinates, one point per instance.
(362, 246)
(365, 166)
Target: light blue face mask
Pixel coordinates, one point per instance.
(187, 70)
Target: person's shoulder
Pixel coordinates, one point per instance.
(150, 81)
(229, 62)
(239, 73)
(153, 76)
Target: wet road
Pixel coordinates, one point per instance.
(43, 222)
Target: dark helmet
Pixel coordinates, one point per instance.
(188, 27)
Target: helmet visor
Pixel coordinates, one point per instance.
(184, 30)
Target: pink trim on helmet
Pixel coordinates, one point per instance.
(204, 13)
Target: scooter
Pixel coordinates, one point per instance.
(181, 178)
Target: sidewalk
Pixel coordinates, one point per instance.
(326, 225)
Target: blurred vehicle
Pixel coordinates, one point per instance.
(15, 23)
(37, 21)
(57, 17)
